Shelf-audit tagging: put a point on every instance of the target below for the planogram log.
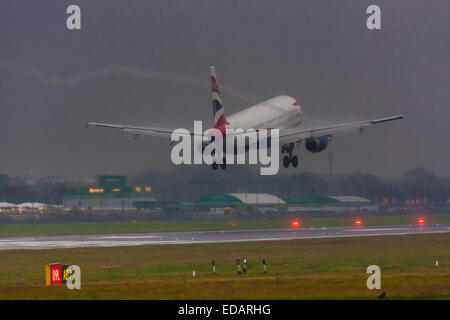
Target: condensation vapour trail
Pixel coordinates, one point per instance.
(71, 81)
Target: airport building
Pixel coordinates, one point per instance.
(111, 193)
(28, 207)
(223, 203)
(238, 200)
(262, 202)
(7, 207)
(329, 203)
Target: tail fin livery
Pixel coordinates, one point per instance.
(218, 111)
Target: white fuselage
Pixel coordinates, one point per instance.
(280, 112)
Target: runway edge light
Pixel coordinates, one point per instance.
(295, 223)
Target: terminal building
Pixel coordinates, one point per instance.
(111, 193)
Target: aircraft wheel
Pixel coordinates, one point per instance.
(294, 161)
(286, 161)
(223, 166)
(215, 166)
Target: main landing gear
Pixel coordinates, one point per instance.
(289, 159)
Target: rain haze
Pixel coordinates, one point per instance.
(146, 63)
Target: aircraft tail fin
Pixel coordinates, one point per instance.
(217, 104)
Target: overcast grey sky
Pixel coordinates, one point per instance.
(146, 62)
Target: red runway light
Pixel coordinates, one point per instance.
(295, 223)
(358, 222)
(421, 221)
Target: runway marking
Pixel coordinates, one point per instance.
(127, 237)
(289, 238)
(377, 229)
(53, 242)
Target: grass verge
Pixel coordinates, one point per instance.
(12, 230)
(297, 269)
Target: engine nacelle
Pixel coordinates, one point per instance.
(317, 144)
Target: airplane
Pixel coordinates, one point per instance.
(281, 112)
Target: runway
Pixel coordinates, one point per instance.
(114, 240)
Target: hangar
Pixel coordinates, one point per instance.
(257, 201)
(328, 203)
(239, 200)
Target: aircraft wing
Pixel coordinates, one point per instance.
(286, 135)
(151, 131)
(290, 135)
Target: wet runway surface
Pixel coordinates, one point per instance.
(113, 240)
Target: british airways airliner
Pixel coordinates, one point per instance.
(281, 112)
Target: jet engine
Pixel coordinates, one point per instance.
(317, 144)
